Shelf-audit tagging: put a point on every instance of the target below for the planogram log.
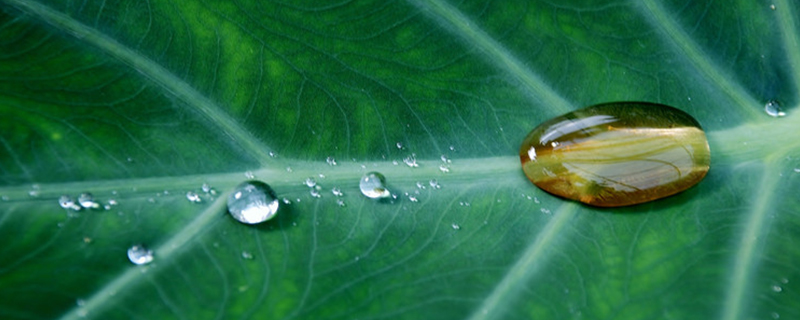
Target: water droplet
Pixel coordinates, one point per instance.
(434, 184)
(420, 185)
(399, 145)
(331, 161)
(545, 211)
(444, 168)
(66, 202)
(310, 182)
(452, 148)
(205, 187)
(33, 193)
(337, 192)
(413, 198)
(340, 202)
(373, 185)
(287, 201)
(249, 175)
(797, 170)
(315, 193)
(445, 159)
(289, 169)
(140, 255)
(247, 255)
(784, 280)
(272, 154)
(617, 154)
(777, 288)
(86, 200)
(455, 226)
(411, 161)
(252, 202)
(193, 197)
(773, 108)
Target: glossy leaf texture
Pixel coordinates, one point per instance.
(141, 102)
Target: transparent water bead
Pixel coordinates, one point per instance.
(193, 197)
(617, 154)
(140, 255)
(86, 200)
(253, 202)
(773, 108)
(66, 202)
(373, 185)
(310, 182)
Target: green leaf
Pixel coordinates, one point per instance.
(141, 102)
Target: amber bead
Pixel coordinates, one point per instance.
(617, 154)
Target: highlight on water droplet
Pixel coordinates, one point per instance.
(253, 202)
(373, 185)
(331, 161)
(86, 200)
(434, 184)
(337, 192)
(617, 154)
(411, 161)
(773, 108)
(315, 193)
(455, 226)
(140, 255)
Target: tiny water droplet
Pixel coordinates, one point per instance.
(112, 202)
(33, 193)
(413, 198)
(272, 154)
(341, 203)
(777, 288)
(140, 255)
(331, 161)
(310, 182)
(247, 255)
(411, 161)
(289, 169)
(5, 198)
(66, 202)
(455, 226)
(86, 200)
(444, 168)
(252, 202)
(399, 145)
(315, 193)
(193, 197)
(287, 201)
(452, 148)
(545, 211)
(420, 185)
(434, 184)
(249, 175)
(337, 192)
(773, 108)
(205, 187)
(373, 185)
(87, 240)
(797, 170)
(784, 280)
(445, 159)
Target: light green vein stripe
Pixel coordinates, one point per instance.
(150, 69)
(660, 19)
(493, 306)
(451, 18)
(746, 258)
(791, 37)
(162, 255)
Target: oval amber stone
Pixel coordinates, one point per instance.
(617, 154)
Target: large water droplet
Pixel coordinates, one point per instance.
(773, 108)
(617, 154)
(86, 200)
(253, 202)
(373, 185)
(140, 255)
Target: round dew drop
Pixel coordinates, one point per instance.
(373, 185)
(617, 154)
(253, 202)
(140, 255)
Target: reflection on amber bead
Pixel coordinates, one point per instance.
(617, 154)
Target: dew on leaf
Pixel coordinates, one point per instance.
(86, 200)
(66, 202)
(373, 185)
(340, 202)
(249, 175)
(193, 197)
(616, 154)
(140, 255)
(331, 161)
(455, 226)
(444, 168)
(310, 182)
(247, 255)
(337, 192)
(434, 184)
(315, 193)
(252, 202)
(411, 161)
(773, 108)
